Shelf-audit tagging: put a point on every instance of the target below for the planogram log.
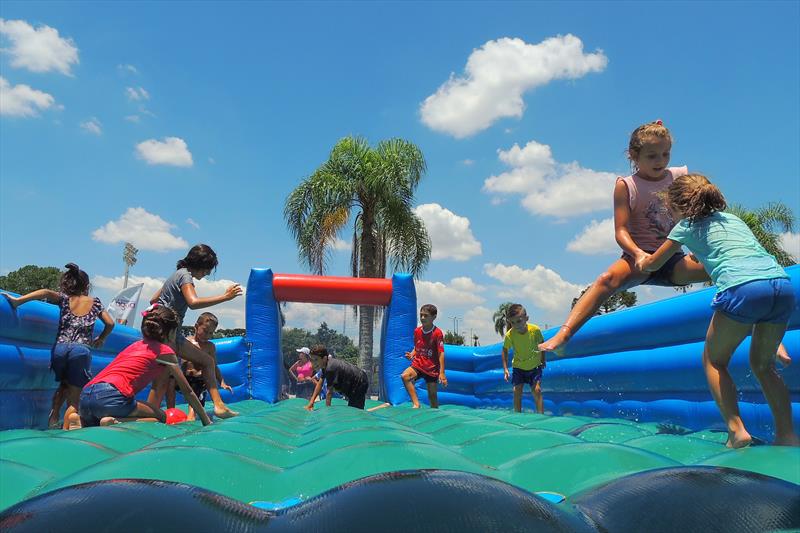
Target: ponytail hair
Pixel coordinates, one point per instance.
(200, 257)
(694, 196)
(158, 321)
(74, 281)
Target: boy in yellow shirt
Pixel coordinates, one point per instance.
(528, 361)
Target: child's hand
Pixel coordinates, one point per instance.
(409, 355)
(505, 374)
(11, 300)
(225, 386)
(233, 291)
(98, 342)
(443, 379)
(642, 261)
(309, 407)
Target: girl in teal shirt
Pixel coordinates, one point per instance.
(754, 297)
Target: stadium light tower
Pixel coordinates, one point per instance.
(129, 256)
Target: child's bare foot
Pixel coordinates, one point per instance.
(557, 343)
(789, 440)
(783, 359)
(108, 421)
(415, 406)
(738, 439)
(224, 412)
(73, 422)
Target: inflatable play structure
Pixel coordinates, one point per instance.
(635, 447)
(641, 363)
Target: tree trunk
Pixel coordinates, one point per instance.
(367, 312)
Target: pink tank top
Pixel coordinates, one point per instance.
(650, 221)
(304, 371)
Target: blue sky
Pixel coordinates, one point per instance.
(169, 124)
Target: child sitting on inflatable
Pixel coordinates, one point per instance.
(204, 330)
(110, 397)
(427, 358)
(754, 297)
(529, 361)
(339, 375)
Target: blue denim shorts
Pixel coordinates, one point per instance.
(764, 300)
(522, 377)
(72, 362)
(103, 399)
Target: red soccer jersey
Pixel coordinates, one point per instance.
(427, 347)
(134, 368)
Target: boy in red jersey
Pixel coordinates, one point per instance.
(427, 358)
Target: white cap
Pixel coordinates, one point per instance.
(304, 350)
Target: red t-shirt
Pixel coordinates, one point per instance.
(427, 347)
(135, 367)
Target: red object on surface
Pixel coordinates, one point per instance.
(175, 416)
(331, 289)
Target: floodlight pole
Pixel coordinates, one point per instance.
(129, 256)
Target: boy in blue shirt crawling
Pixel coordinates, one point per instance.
(528, 361)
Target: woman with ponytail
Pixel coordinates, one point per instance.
(71, 356)
(110, 397)
(754, 297)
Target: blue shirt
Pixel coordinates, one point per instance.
(728, 250)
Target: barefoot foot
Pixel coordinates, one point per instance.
(224, 412)
(108, 421)
(73, 422)
(738, 439)
(783, 359)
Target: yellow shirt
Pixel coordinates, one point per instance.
(526, 347)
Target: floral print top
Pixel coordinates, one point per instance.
(73, 328)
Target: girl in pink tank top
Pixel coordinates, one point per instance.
(641, 224)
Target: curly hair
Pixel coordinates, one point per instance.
(158, 323)
(74, 281)
(695, 197)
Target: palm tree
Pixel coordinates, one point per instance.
(499, 317)
(377, 186)
(767, 223)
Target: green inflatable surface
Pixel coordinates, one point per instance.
(281, 453)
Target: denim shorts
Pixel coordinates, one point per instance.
(71, 362)
(521, 377)
(103, 399)
(764, 300)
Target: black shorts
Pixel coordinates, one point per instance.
(522, 377)
(426, 377)
(662, 276)
(358, 397)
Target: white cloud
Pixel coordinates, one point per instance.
(543, 287)
(38, 49)
(468, 162)
(231, 314)
(451, 236)
(171, 151)
(460, 291)
(496, 77)
(137, 93)
(144, 230)
(596, 238)
(548, 187)
(791, 243)
(133, 118)
(342, 245)
(92, 126)
(22, 100)
(478, 321)
(127, 69)
(310, 315)
(192, 223)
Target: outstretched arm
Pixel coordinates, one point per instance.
(651, 263)
(42, 294)
(195, 302)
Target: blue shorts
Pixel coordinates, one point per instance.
(522, 377)
(72, 363)
(103, 399)
(764, 300)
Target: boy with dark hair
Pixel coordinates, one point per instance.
(528, 361)
(351, 381)
(427, 358)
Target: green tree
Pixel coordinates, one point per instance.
(767, 224)
(31, 278)
(616, 301)
(373, 187)
(453, 338)
(501, 325)
(294, 338)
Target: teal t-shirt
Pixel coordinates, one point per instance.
(728, 250)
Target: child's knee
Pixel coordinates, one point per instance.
(608, 281)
